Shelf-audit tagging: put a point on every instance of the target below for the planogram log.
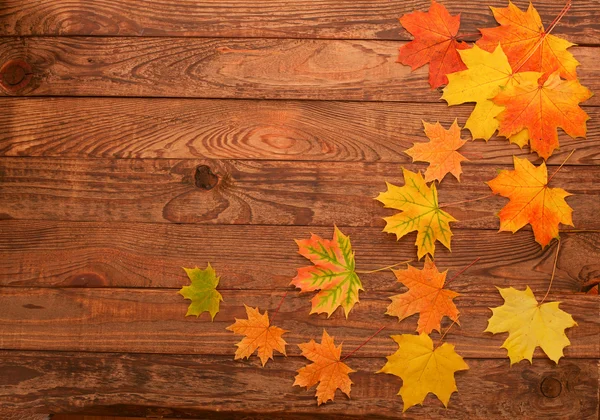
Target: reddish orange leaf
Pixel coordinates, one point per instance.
(426, 295)
(522, 34)
(531, 201)
(541, 110)
(326, 369)
(259, 335)
(435, 43)
(440, 152)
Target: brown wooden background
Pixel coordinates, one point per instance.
(140, 136)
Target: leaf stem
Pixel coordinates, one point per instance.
(444, 335)
(461, 271)
(381, 269)
(466, 201)
(561, 165)
(367, 340)
(553, 272)
(278, 307)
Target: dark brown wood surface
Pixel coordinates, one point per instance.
(141, 136)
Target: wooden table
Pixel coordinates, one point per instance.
(141, 136)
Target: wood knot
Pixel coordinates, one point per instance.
(204, 178)
(15, 75)
(551, 387)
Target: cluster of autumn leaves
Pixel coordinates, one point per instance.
(524, 85)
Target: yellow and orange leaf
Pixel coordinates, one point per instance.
(522, 34)
(259, 334)
(426, 295)
(327, 369)
(435, 43)
(440, 151)
(541, 110)
(531, 201)
(333, 273)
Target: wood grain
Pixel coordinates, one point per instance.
(249, 129)
(232, 68)
(251, 192)
(153, 321)
(67, 254)
(213, 387)
(340, 19)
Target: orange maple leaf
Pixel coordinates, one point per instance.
(522, 35)
(531, 201)
(541, 109)
(440, 152)
(435, 43)
(426, 295)
(327, 369)
(259, 335)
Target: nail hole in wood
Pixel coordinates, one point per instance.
(551, 387)
(204, 178)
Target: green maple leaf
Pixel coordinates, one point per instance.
(202, 292)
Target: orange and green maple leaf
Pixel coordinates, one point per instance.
(327, 369)
(531, 201)
(434, 42)
(541, 109)
(333, 273)
(426, 296)
(440, 151)
(522, 35)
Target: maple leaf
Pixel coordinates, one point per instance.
(202, 291)
(440, 152)
(521, 34)
(423, 369)
(333, 273)
(420, 211)
(326, 369)
(486, 75)
(541, 109)
(435, 43)
(260, 334)
(530, 325)
(426, 295)
(531, 201)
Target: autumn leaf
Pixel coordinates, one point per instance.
(426, 296)
(487, 74)
(541, 110)
(423, 369)
(333, 273)
(420, 212)
(259, 334)
(435, 43)
(521, 34)
(530, 325)
(202, 291)
(440, 151)
(531, 201)
(327, 370)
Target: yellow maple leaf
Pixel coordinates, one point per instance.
(440, 151)
(423, 369)
(260, 334)
(531, 201)
(327, 369)
(202, 292)
(420, 212)
(486, 75)
(529, 325)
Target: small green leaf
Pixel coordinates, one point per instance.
(202, 291)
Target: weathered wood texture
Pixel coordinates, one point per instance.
(232, 68)
(152, 321)
(164, 385)
(350, 19)
(250, 129)
(251, 192)
(66, 254)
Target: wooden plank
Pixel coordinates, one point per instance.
(249, 129)
(67, 254)
(341, 19)
(231, 68)
(217, 387)
(251, 192)
(154, 321)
